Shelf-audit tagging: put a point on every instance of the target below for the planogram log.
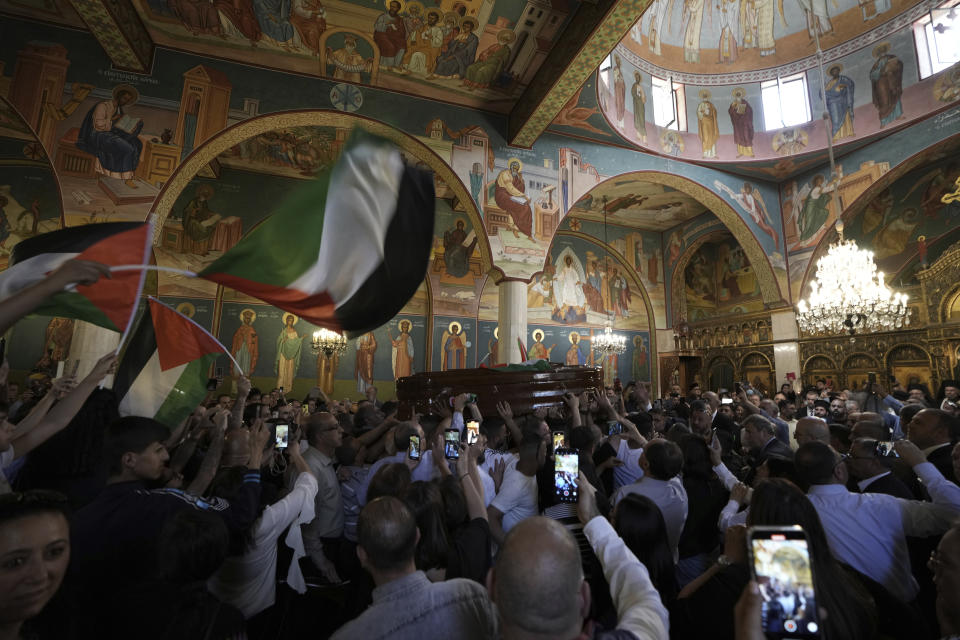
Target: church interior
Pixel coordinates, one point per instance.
(670, 170)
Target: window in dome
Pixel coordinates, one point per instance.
(669, 104)
(785, 102)
(938, 45)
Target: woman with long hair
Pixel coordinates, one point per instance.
(638, 520)
(426, 502)
(706, 497)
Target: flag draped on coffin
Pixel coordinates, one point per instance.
(110, 302)
(164, 370)
(347, 250)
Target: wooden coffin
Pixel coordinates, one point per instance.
(524, 390)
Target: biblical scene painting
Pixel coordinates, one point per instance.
(719, 280)
(456, 270)
(633, 202)
(476, 52)
(29, 195)
(275, 347)
(907, 226)
(580, 285)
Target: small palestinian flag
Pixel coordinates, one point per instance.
(163, 374)
(345, 251)
(110, 302)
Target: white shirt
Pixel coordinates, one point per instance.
(630, 471)
(639, 609)
(517, 499)
(328, 503)
(248, 582)
(868, 530)
(489, 486)
(670, 496)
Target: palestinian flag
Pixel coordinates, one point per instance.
(163, 374)
(347, 250)
(110, 302)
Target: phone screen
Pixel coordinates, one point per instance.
(451, 444)
(726, 401)
(283, 431)
(413, 452)
(566, 468)
(781, 567)
(614, 428)
(885, 448)
(473, 431)
(558, 439)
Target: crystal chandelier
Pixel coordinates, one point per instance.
(608, 343)
(848, 294)
(329, 343)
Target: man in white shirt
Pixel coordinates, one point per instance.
(517, 498)
(662, 462)
(540, 592)
(868, 531)
(323, 536)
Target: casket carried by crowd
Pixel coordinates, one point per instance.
(525, 388)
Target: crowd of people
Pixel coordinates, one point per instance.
(367, 526)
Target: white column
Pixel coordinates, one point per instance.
(89, 344)
(512, 319)
(786, 348)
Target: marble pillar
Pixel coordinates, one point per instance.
(512, 319)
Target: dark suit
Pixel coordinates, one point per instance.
(941, 458)
(890, 485)
(774, 448)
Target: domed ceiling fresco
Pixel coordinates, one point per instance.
(764, 37)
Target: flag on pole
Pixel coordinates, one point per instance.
(163, 374)
(110, 302)
(347, 250)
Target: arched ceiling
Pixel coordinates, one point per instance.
(762, 37)
(637, 203)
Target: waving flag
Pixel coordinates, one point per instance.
(163, 374)
(347, 250)
(110, 302)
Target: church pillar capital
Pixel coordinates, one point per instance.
(786, 347)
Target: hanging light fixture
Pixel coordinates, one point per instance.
(848, 293)
(328, 342)
(607, 343)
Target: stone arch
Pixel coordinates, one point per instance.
(946, 304)
(924, 156)
(210, 149)
(735, 224)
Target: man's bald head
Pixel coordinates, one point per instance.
(870, 425)
(537, 582)
(711, 399)
(811, 430)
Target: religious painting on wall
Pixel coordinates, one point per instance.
(719, 280)
(29, 195)
(455, 343)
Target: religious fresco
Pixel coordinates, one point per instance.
(59, 11)
(923, 144)
(750, 35)
(907, 226)
(581, 115)
(276, 346)
(455, 272)
(580, 286)
(480, 53)
(199, 310)
(29, 195)
(455, 343)
(719, 281)
(629, 201)
(869, 89)
(572, 347)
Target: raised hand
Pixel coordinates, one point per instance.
(104, 367)
(79, 272)
(503, 408)
(243, 386)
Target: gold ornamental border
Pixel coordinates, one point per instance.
(213, 147)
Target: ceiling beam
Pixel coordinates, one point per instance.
(589, 38)
(118, 28)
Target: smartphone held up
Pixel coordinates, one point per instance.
(566, 472)
(780, 558)
(451, 444)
